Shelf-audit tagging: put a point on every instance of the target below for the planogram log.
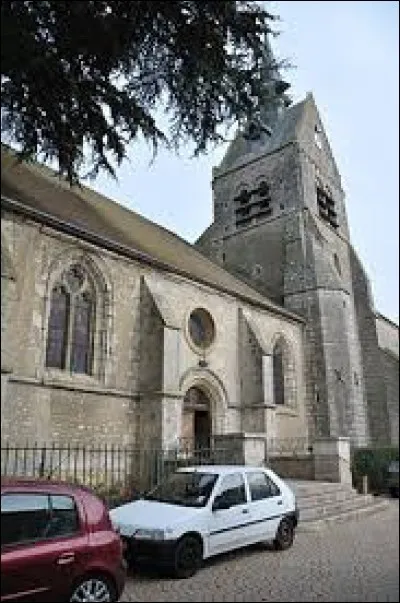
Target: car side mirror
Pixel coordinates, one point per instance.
(220, 503)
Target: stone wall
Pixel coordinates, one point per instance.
(374, 380)
(251, 379)
(255, 252)
(390, 365)
(388, 334)
(145, 360)
(34, 410)
(301, 467)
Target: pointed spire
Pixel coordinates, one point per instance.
(274, 87)
(273, 98)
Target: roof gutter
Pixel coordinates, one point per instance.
(129, 252)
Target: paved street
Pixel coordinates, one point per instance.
(353, 561)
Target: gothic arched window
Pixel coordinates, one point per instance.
(284, 377)
(278, 372)
(71, 322)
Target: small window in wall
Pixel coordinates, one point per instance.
(318, 136)
(257, 271)
(338, 375)
(337, 264)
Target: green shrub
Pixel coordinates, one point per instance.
(372, 462)
(115, 495)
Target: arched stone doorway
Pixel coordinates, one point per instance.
(196, 420)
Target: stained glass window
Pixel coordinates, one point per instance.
(201, 328)
(57, 331)
(81, 348)
(71, 323)
(278, 373)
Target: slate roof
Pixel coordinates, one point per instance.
(284, 132)
(42, 192)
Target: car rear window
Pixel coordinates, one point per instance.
(29, 517)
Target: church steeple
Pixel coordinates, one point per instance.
(273, 97)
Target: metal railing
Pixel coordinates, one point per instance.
(115, 472)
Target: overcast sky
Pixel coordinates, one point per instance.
(347, 54)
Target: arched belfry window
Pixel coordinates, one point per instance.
(70, 333)
(284, 378)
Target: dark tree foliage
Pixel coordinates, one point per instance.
(82, 79)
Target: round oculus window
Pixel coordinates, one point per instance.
(201, 328)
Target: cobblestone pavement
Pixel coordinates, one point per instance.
(356, 560)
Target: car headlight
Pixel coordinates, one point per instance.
(149, 534)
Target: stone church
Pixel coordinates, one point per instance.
(116, 330)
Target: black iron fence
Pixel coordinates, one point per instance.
(116, 473)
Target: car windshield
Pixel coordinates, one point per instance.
(186, 488)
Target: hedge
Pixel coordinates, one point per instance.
(373, 462)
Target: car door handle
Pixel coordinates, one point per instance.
(66, 558)
(245, 510)
(278, 502)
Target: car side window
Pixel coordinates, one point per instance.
(63, 520)
(31, 517)
(261, 486)
(233, 490)
(24, 517)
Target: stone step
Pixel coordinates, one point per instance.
(375, 506)
(333, 508)
(323, 503)
(305, 489)
(326, 498)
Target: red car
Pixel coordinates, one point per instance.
(57, 544)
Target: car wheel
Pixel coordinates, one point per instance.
(188, 557)
(93, 588)
(128, 554)
(284, 536)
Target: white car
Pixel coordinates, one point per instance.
(198, 512)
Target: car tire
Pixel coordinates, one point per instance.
(97, 587)
(187, 557)
(284, 536)
(129, 556)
